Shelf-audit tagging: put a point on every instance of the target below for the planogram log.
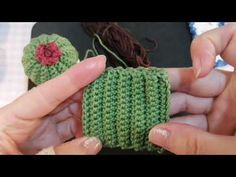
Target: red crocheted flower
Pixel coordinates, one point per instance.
(48, 54)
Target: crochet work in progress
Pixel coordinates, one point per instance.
(123, 105)
(48, 56)
(120, 107)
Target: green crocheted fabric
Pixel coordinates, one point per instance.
(123, 105)
(47, 56)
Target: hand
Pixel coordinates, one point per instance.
(210, 100)
(50, 114)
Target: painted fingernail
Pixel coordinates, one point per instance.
(92, 143)
(197, 67)
(159, 136)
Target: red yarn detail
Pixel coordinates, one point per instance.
(48, 54)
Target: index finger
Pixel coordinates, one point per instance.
(42, 99)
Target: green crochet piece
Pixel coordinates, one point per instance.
(123, 105)
(48, 56)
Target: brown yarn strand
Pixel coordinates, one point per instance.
(119, 40)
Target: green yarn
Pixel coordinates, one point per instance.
(122, 105)
(107, 49)
(39, 73)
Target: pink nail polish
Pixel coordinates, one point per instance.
(162, 132)
(159, 136)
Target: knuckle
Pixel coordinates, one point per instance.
(49, 103)
(193, 145)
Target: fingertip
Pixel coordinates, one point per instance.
(97, 62)
(203, 73)
(102, 59)
(101, 63)
(87, 71)
(159, 136)
(92, 145)
(80, 146)
(203, 56)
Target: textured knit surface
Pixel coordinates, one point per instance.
(123, 105)
(38, 72)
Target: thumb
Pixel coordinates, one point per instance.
(206, 47)
(79, 146)
(185, 139)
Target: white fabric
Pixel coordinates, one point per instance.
(13, 38)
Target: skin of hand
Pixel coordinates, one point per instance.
(50, 114)
(208, 95)
(53, 113)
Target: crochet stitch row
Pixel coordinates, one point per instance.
(123, 105)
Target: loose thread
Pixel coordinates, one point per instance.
(107, 49)
(94, 47)
(94, 52)
(88, 52)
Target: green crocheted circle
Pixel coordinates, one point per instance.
(39, 73)
(123, 105)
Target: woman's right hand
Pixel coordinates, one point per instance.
(209, 96)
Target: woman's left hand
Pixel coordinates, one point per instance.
(50, 114)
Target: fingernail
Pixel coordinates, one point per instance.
(95, 62)
(102, 56)
(159, 136)
(92, 143)
(198, 72)
(197, 67)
